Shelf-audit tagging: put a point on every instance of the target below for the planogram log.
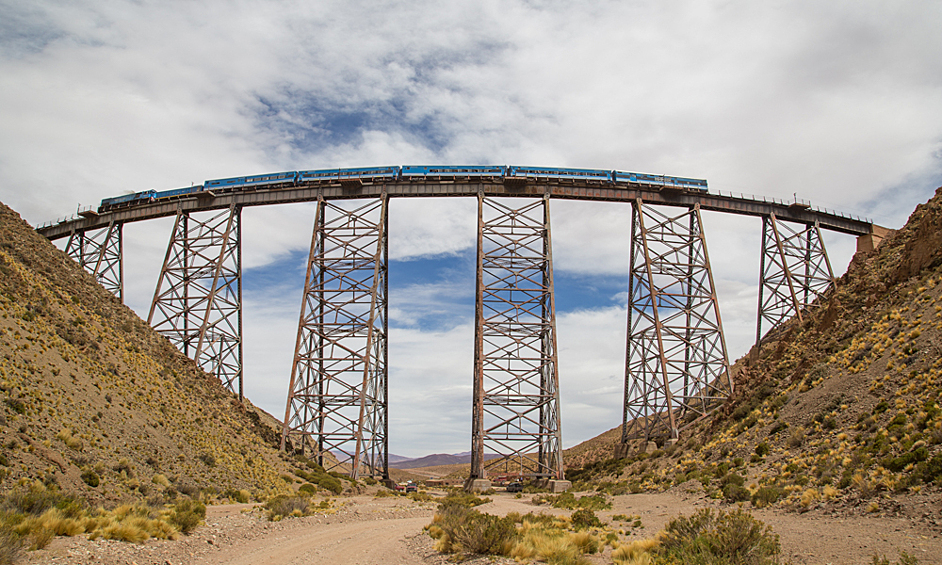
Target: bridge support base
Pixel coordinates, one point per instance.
(477, 485)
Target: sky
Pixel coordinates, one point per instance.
(837, 103)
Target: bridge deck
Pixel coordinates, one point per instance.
(563, 190)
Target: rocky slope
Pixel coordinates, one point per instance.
(842, 409)
(94, 401)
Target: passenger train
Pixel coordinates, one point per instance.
(408, 173)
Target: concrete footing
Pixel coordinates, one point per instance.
(621, 450)
(555, 485)
(477, 485)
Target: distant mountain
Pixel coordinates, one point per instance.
(435, 460)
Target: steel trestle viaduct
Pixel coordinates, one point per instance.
(676, 370)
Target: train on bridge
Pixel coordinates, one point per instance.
(409, 173)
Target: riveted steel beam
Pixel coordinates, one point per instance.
(100, 252)
(794, 271)
(676, 368)
(198, 300)
(515, 412)
(337, 396)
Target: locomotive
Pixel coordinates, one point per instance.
(408, 173)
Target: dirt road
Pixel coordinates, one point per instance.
(366, 531)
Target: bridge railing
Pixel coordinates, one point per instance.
(773, 200)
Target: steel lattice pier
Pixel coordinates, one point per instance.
(337, 398)
(515, 416)
(794, 269)
(676, 363)
(100, 253)
(198, 300)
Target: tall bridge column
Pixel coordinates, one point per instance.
(198, 300)
(100, 253)
(515, 414)
(337, 397)
(676, 367)
(794, 271)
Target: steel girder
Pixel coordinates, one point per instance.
(676, 367)
(794, 270)
(198, 300)
(337, 397)
(100, 253)
(515, 415)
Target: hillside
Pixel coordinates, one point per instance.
(94, 401)
(842, 409)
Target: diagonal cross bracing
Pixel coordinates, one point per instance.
(100, 253)
(676, 366)
(794, 269)
(198, 300)
(515, 413)
(337, 397)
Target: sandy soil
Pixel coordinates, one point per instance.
(366, 531)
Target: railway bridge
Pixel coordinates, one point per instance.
(676, 369)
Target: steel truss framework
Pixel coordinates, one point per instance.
(515, 412)
(198, 300)
(100, 253)
(337, 397)
(794, 269)
(677, 367)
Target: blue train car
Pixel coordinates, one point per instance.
(412, 172)
(270, 179)
(174, 192)
(368, 173)
(692, 184)
(126, 200)
(556, 173)
(661, 180)
(233, 182)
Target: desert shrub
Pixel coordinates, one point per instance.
(904, 559)
(762, 449)
(586, 542)
(91, 478)
(421, 496)
(187, 514)
(899, 463)
(308, 489)
(766, 495)
(585, 518)
(463, 529)
(569, 501)
(634, 553)
(11, 547)
(735, 493)
(286, 505)
(483, 534)
(721, 538)
(161, 480)
(463, 498)
(931, 470)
